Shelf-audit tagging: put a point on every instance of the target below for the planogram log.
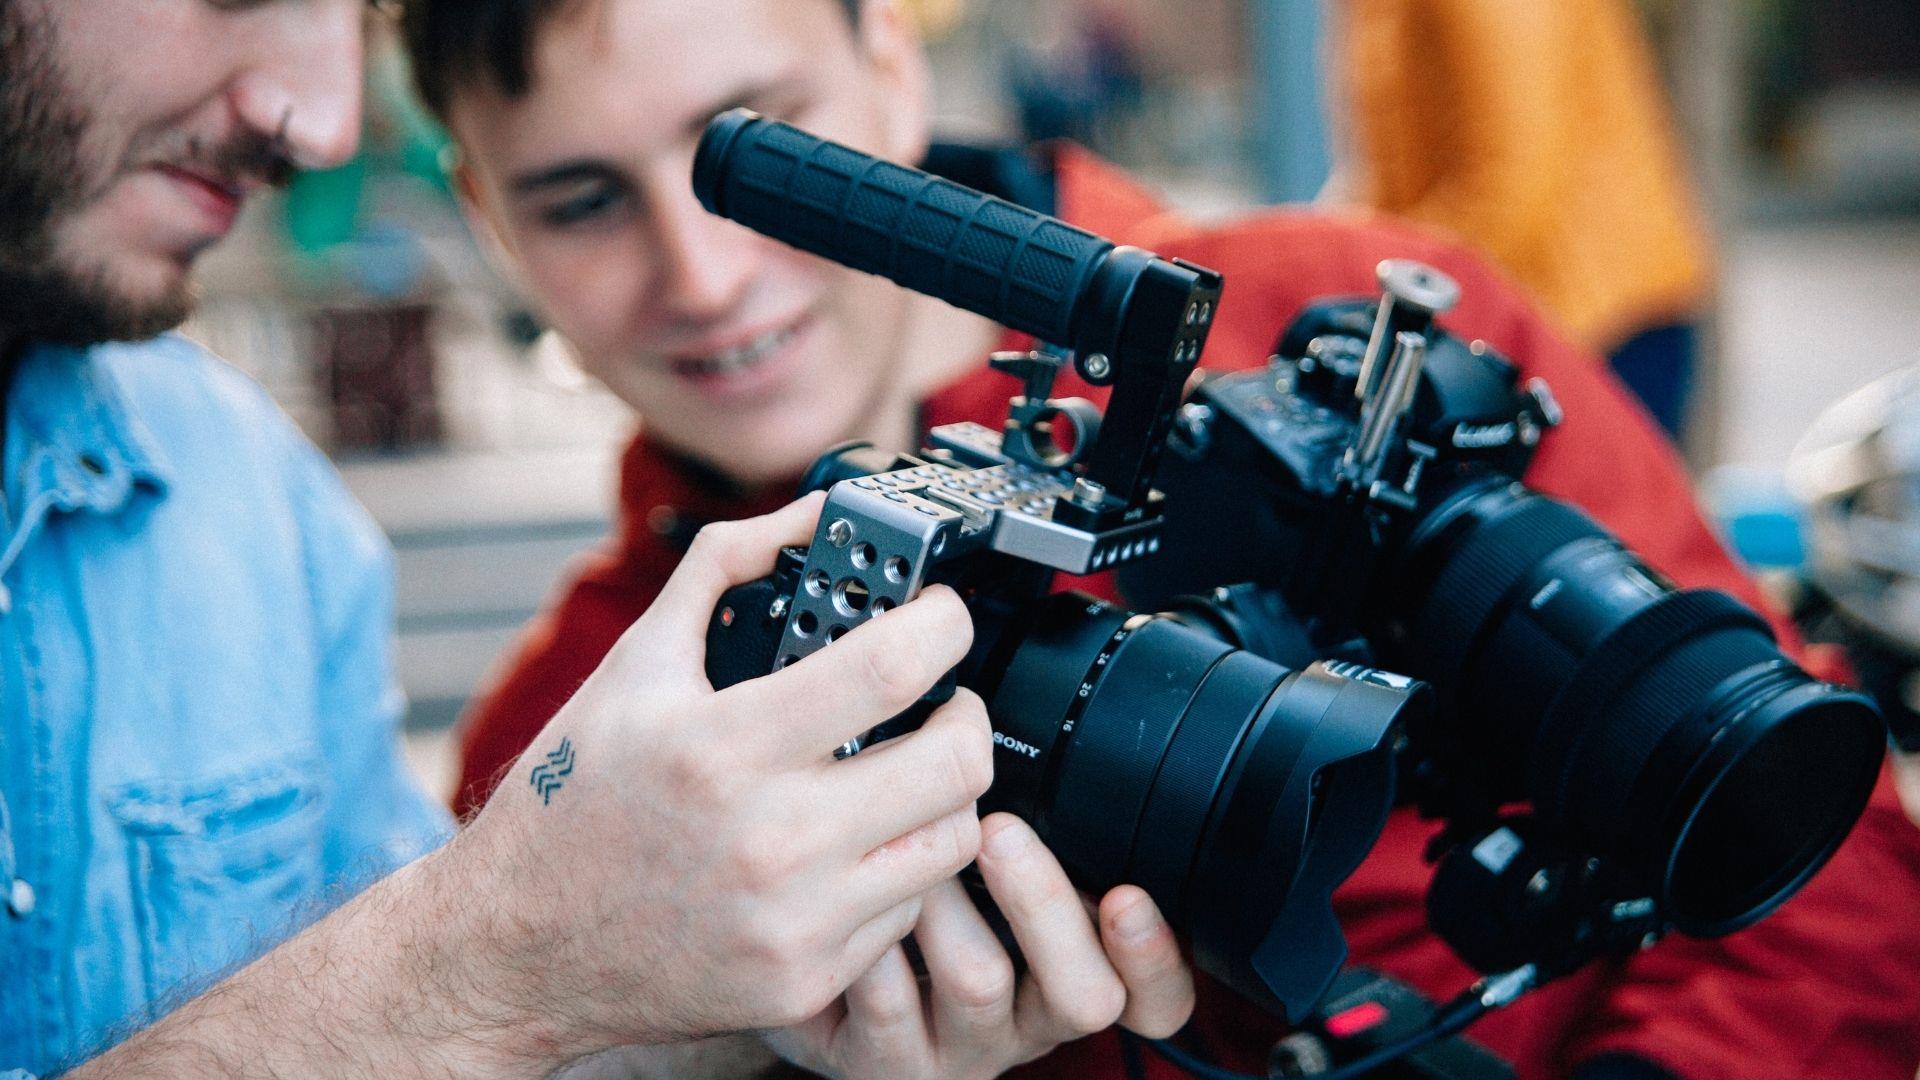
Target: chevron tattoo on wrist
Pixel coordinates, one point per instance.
(547, 776)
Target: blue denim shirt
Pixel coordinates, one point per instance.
(198, 714)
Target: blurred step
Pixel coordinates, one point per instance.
(479, 541)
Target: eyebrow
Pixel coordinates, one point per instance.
(581, 170)
(760, 94)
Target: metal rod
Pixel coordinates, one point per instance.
(1383, 409)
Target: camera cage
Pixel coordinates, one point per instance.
(1123, 316)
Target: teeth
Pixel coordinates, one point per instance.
(742, 357)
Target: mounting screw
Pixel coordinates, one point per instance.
(1089, 493)
(779, 608)
(1098, 366)
(840, 532)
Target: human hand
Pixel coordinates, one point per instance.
(972, 1018)
(667, 861)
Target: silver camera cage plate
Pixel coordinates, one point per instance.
(879, 536)
(875, 541)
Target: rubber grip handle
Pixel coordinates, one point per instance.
(1024, 270)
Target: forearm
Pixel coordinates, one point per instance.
(392, 984)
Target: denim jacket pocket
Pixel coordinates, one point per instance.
(220, 867)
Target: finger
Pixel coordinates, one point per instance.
(809, 1044)
(909, 781)
(874, 673)
(1076, 991)
(1141, 947)
(914, 863)
(886, 1021)
(674, 629)
(874, 937)
(970, 973)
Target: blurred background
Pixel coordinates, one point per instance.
(1765, 154)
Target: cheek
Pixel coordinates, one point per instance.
(109, 240)
(588, 291)
(871, 318)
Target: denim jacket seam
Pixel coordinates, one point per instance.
(47, 923)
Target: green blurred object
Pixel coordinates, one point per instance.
(425, 147)
(323, 208)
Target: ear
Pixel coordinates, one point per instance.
(897, 62)
(483, 215)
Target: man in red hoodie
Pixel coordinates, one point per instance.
(745, 360)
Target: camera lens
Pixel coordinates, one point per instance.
(1237, 792)
(1660, 726)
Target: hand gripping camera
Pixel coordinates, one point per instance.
(1141, 747)
(1677, 770)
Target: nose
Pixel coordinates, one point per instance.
(703, 263)
(305, 80)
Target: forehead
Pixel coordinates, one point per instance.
(646, 70)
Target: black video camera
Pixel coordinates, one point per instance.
(1356, 502)
(1680, 772)
(1142, 748)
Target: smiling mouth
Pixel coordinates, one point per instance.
(739, 359)
(218, 201)
(219, 188)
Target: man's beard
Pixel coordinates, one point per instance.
(44, 177)
(47, 175)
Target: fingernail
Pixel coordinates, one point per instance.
(1009, 841)
(1138, 922)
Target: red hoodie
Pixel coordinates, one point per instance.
(1827, 986)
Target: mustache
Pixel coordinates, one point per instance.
(249, 157)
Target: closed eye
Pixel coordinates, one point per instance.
(592, 205)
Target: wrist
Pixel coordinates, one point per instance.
(469, 990)
(393, 983)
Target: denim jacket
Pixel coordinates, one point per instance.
(198, 713)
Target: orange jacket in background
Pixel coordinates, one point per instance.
(1537, 131)
(1828, 986)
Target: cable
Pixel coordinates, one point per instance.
(1194, 1065)
(1490, 993)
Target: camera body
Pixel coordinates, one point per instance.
(1272, 456)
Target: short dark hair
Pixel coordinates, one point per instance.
(455, 42)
